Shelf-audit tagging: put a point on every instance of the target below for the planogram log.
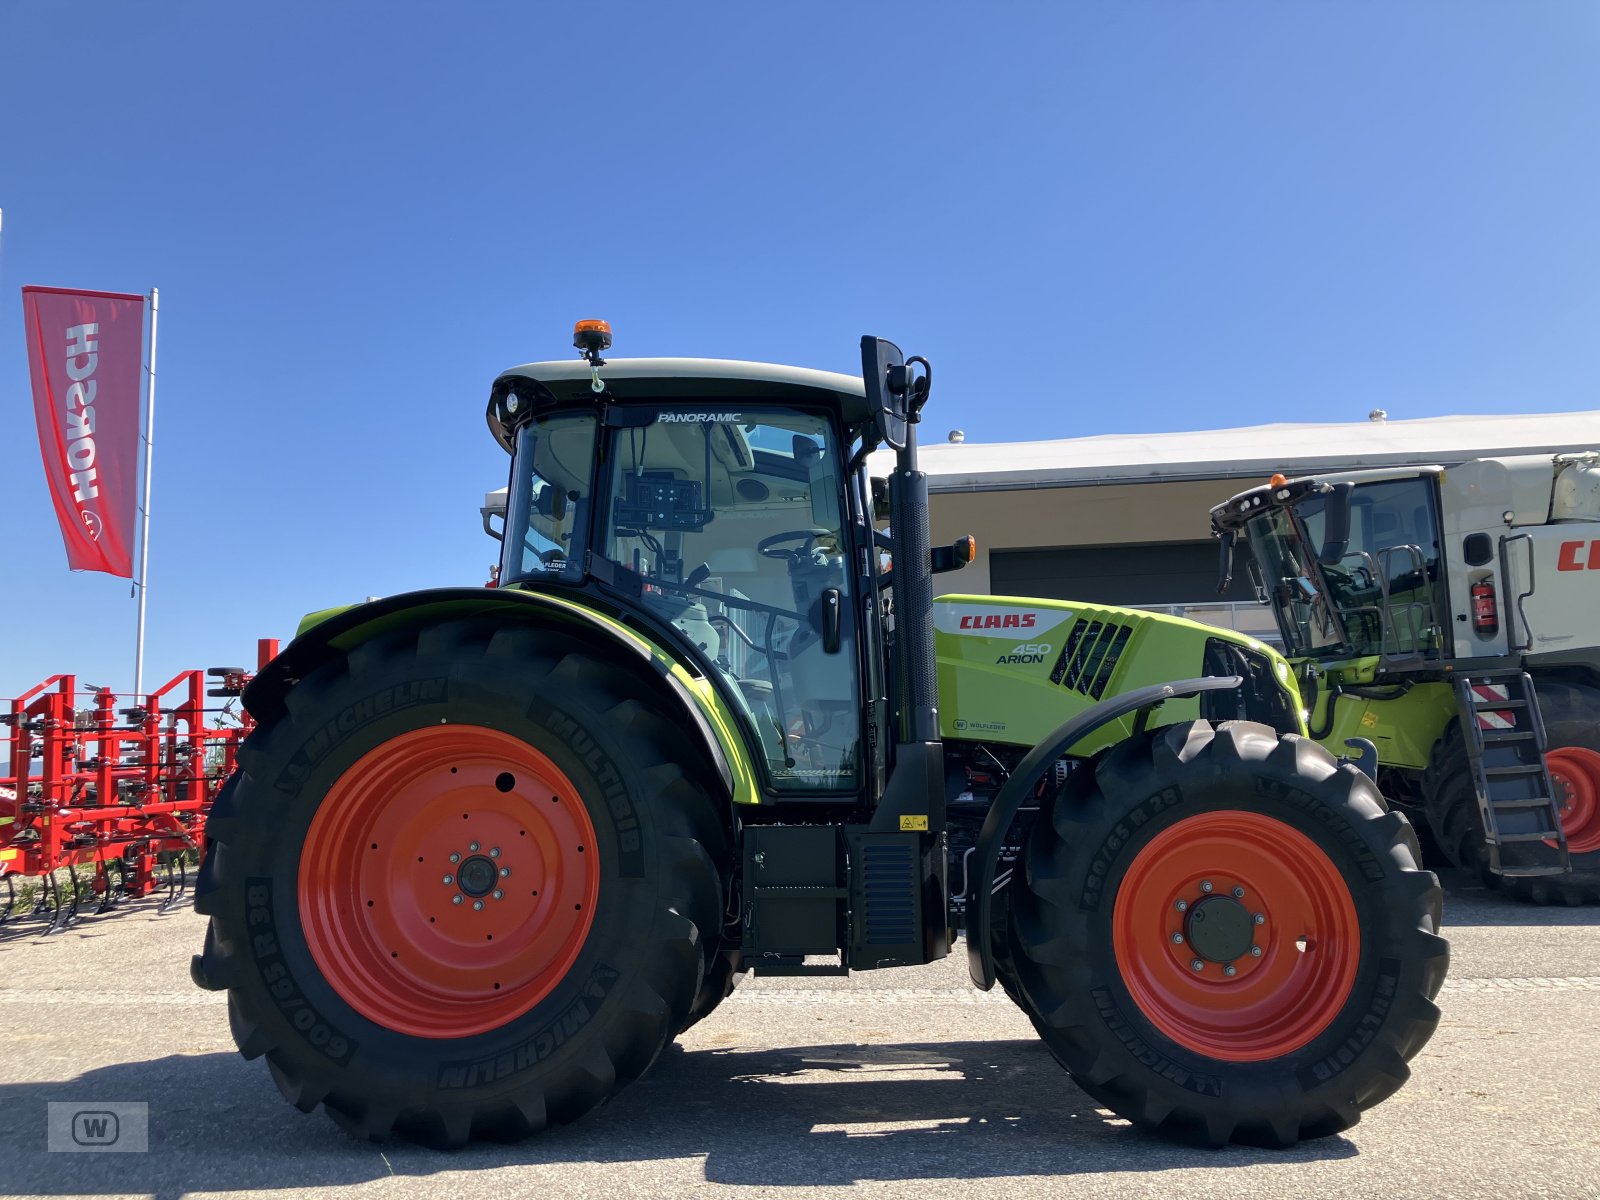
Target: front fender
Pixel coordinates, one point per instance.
(340, 630)
(1030, 771)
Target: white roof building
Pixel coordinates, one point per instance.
(1250, 451)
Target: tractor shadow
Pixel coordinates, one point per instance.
(838, 1114)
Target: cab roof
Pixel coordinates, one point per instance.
(714, 379)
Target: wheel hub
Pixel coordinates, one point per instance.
(477, 876)
(1220, 929)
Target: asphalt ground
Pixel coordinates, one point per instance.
(902, 1083)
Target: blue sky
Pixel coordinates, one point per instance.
(1094, 218)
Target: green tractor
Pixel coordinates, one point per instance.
(1446, 615)
(489, 850)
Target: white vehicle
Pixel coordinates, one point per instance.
(1449, 616)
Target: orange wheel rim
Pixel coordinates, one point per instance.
(448, 881)
(1236, 936)
(1575, 773)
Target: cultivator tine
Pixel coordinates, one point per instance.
(6, 909)
(66, 911)
(44, 899)
(103, 885)
(177, 881)
(49, 902)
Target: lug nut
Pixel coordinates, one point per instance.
(1177, 939)
(505, 872)
(1229, 971)
(477, 906)
(1238, 893)
(1198, 965)
(473, 846)
(454, 857)
(457, 898)
(1259, 919)
(1255, 951)
(494, 851)
(1181, 905)
(1205, 885)
(499, 895)
(449, 878)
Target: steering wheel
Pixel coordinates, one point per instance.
(771, 547)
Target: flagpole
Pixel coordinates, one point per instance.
(144, 507)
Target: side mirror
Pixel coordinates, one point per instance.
(883, 366)
(550, 501)
(1336, 520)
(1225, 540)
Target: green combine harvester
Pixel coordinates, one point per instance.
(489, 850)
(1448, 616)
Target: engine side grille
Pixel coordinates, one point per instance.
(1090, 656)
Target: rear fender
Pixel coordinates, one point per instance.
(705, 717)
(1022, 784)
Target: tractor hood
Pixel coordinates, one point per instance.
(1011, 670)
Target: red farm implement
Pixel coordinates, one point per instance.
(120, 794)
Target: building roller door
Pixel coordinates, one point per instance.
(1164, 574)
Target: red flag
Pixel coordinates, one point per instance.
(85, 351)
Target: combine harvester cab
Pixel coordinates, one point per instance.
(1447, 616)
(489, 850)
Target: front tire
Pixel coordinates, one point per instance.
(465, 883)
(1304, 864)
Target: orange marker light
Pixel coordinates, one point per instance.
(592, 334)
(1277, 481)
(966, 549)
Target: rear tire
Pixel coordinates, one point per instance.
(1571, 715)
(1296, 1042)
(310, 879)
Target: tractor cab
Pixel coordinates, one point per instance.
(722, 504)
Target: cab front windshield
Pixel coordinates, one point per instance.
(730, 524)
(1293, 584)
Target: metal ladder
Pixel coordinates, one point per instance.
(1505, 743)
